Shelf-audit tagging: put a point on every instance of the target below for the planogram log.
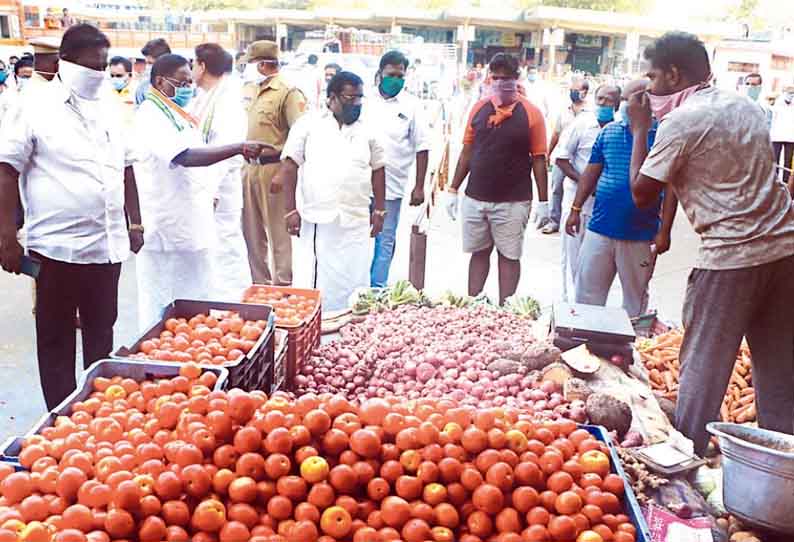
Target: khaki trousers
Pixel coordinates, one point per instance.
(264, 228)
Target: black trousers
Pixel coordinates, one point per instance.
(787, 149)
(61, 289)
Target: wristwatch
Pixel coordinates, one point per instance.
(136, 227)
(380, 212)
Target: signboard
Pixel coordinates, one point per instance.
(554, 37)
(593, 42)
(466, 32)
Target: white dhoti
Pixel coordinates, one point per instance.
(333, 259)
(570, 244)
(231, 274)
(164, 276)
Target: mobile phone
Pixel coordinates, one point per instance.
(30, 266)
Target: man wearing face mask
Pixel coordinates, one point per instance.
(81, 206)
(503, 147)
(120, 71)
(178, 190)
(572, 158)
(45, 60)
(620, 238)
(23, 71)
(753, 86)
(222, 120)
(782, 131)
(342, 171)
(578, 96)
(712, 149)
(153, 50)
(406, 141)
(329, 72)
(536, 90)
(273, 106)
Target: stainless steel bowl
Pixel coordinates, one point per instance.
(758, 475)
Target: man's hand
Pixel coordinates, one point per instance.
(251, 150)
(376, 222)
(417, 196)
(10, 252)
(451, 204)
(661, 243)
(136, 241)
(541, 211)
(294, 224)
(639, 110)
(573, 224)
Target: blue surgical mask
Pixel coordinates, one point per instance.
(576, 96)
(605, 113)
(532, 77)
(3, 77)
(753, 92)
(183, 95)
(118, 83)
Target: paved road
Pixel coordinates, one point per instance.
(21, 403)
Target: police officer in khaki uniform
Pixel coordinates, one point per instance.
(45, 59)
(273, 107)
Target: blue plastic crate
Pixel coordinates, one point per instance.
(108, 368)
(633, 507)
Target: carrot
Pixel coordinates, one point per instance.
(747, 416)
(747, 400)
(747, 391)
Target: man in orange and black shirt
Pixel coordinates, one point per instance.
(505, 143)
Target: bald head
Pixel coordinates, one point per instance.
(634, 86)
(608, 95)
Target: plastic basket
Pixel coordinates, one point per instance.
(254, 371)
(280, 360)
(633, 509)
(304, 337)
(108, 368)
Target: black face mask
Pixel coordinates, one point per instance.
(350, 113)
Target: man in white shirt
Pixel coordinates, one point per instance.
(782, 132)
(222, 121)
(177, 191)
(398, 115)
(572, 159)
(342, 170)
(66, 137)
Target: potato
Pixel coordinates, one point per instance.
(612, 413)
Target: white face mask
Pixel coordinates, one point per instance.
(84, 82)
(252, 74)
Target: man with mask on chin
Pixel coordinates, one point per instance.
(81, 206)
(712, 149)
(273, 106)
(504, 146)
(342, 193)
(406, 141)
(178, 191)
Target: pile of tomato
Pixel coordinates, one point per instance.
(172, 460)
(291, 309)
(205, 339)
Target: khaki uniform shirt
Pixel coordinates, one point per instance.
(272, 108)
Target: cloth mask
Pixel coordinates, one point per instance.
(576, 95)
(83, 82)
(118, 83)
(662, 105)
(21, 82)
(391, 86)
(753, 92)
(3, 77)
(350, 113)
(504, 91)
(605, 113)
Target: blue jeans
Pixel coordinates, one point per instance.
(384, 245)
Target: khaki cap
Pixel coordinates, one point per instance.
(262, 50)
(45, 45)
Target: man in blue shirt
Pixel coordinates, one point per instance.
(620, 239)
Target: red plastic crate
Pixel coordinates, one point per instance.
(281, 338)
(303, 338)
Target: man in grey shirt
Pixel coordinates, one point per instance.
(712, 148)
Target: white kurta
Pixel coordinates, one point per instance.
(334, 249)
(177, 212)
(223, 122)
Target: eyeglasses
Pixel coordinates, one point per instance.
(178, 84)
